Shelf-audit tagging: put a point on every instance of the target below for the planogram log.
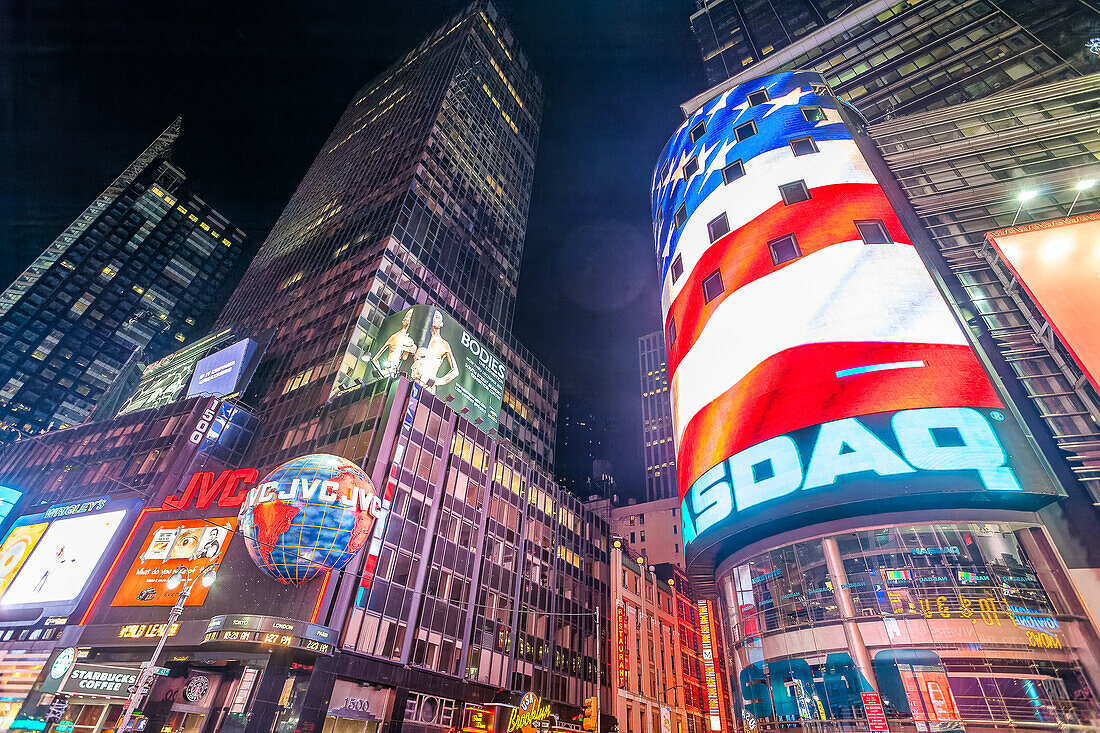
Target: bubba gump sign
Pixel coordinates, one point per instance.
(531, 709)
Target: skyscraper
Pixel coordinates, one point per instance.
(475, 588)
(419, 195)
(140, 272)
(829, 408)
(888, 57)
(657, 443)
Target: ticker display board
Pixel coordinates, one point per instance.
(269, 631)
(428, 346)
(812, 360)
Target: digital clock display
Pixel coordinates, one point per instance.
(270, 631)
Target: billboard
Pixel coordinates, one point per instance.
(220, 373)
(812, 361)
(1057, 262)
(163, 381)
(190, 544)
(428, 346)
(48, 559)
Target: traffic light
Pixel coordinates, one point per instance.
(591, 714)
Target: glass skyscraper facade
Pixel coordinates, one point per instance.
(419, 195)
(140, 272)
(889, 57)
(657, 443)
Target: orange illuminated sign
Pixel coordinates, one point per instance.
(1058, 263)
(187, 544)
(622, 646)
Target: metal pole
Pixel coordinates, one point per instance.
(599, 676)
(147, 671)
(1079, 192)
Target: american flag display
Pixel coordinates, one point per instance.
(791, 294)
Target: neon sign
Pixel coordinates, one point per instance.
(706, 629)
(530, 710)
(622, 645)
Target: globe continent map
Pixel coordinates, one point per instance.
(297, 539)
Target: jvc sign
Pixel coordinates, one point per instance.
(911, 443)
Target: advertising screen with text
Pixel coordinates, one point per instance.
(813, 363)
(187, 544)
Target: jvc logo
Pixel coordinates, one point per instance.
(930, 439)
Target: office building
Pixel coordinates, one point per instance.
(1017, 158)
(584, 438)
(139, 273)
(867, 571)
(888, 57)
(419, 195)
(465, 585)
(657, 669)
(652, 529)
(659, 450)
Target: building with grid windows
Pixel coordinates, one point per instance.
(967, 170)
(889, 57)
(141, 271)
(659, 450)
(419, 195)
(476, 590)
(826, 384)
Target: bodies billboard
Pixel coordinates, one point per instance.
(428, 346)
(1057, 262)
(812, 361)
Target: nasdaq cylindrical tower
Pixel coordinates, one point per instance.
(853, 491)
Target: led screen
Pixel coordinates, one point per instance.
(809, 349)
(428, 346)
(190, 544)
(63, 559)
(220, 373)
(15, 550)
(1058, 263)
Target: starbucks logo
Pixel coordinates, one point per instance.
(196, 688)
(62, 663)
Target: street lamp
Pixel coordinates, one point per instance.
(1082, 186)
(182, 576)
(1024, 198)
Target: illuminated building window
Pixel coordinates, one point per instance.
(691, 167)
(819, 89)
(719, 226)
(873, 231)
(758, 97)
(794, 192)
(784, 249)
(677, 268)
(680, 216)
(745, 131)
(803, 145)
(712, 285)
(733, 171)
(698, 131)
(671, 333)
(813, 114)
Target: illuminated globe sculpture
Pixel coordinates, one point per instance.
(308, 517)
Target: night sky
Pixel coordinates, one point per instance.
(85, 86)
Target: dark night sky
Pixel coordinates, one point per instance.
(86, 85)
